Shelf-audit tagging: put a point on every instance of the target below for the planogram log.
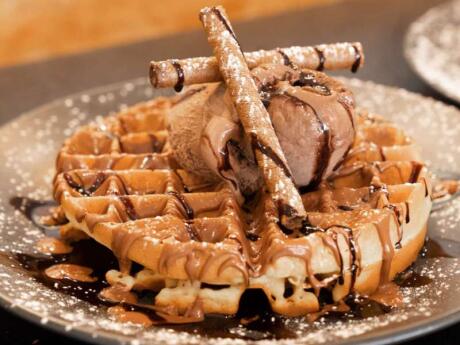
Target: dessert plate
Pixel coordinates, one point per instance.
(29, 144)
(431, 48)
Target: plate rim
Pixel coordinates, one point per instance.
(419, 328)
(410, 38)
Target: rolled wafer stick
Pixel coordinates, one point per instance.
(254, 117)
(177, 73)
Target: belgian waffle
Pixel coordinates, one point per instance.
(118, 182)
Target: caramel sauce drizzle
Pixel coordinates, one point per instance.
(52, 245)
(122, 242)
(196, 257)
(387, 250)
(71, 271)
(388, 294)
(118, 293)
(136, 317)
(292, 251)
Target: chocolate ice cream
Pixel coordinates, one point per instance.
(312, 115)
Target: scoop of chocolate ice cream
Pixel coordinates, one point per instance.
(208, 139)
(312, 115)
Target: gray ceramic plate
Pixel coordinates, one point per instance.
(27, 152)
(432, 48)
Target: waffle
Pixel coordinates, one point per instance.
(118, 182)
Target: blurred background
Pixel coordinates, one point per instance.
(53, 48)
(34, 30)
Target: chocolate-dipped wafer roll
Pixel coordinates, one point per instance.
(253, 116)
(198, 70)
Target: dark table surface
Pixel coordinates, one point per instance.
(379, 24)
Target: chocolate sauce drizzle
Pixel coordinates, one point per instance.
(153, 80)
(397, 213)
(219, 15)
(407, 212)
(257, 144)
(254, 318)
(187, 208)
(184, 186)
(321, 59)
(354, 264)
(193, 234)
(357, 63)
(180, 76)
(416, 169)
(32, 209)
(308, 228)
(286, 60)
(99, 180)
(353, 252)
(75, 185)
(284, 229)
(224, 21)
(309, 80)
(345, 208)
(252, 236)
(129, 207)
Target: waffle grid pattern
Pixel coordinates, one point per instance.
(118, 181)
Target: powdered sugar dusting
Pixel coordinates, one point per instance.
(252, 113)
(432, 48)
(28, 148)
